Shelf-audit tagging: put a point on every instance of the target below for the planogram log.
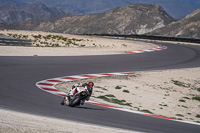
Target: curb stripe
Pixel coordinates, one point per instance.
(106, 74)
(160, 116)
(70, 78)
(49, 89)
(88, 76)
(48, 85)
(63, 95)
(158, 48)
(54, 81)
(45, 84)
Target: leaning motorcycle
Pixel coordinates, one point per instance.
(77, 98)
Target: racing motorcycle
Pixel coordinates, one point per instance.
(76, 99)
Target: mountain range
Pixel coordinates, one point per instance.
(129, 19)
(10, 13)
(148, 19)
(187, 27)
(175, 8)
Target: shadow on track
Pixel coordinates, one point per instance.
(89, 108)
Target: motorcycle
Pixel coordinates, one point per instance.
(76, 99)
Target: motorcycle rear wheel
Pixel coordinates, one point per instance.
(75, 101)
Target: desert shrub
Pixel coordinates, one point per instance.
(118, 87)
(184, 106)
(198, 115)
(179, 115)
(126, 91)
(114, 100)
(196, 98)
(109, 95)
(146, 111)
(186, 97)
(163, 105)
(181, 84)
(101, 88)
(181, 100)
(82, 45)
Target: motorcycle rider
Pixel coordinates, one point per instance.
(87, 86)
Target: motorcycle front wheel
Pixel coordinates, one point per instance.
(63, 102)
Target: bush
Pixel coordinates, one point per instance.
(178, 83)
(179, 115)
(146, 111)
(82, 45)
(198, 116)
(196, 98)
(113, 100)
(104, 98)
(109, 95)
(182, 101)
(186, 97)
(118, 87)
(126, 91)
(184, 106)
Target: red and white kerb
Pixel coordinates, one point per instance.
(48, 84)
(158, 48)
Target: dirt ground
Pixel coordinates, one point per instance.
(17, 122)
(170, 93)
(167, 93)
(55, 44)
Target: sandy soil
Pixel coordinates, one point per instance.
(168, 93)
(16, 122)
(69, 45)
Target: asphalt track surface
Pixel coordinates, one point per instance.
(18, 76)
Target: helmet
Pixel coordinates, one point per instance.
(90, 83)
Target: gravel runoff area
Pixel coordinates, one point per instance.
(171, 93)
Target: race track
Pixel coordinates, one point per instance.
(19, 75)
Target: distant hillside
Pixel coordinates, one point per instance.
(176, 8)
(10, 13)
(13, 2)
(187, 27)
(129, 19)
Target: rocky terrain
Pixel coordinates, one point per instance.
(176, 8)
(129, 19)
(10, 13)
(187, 27)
